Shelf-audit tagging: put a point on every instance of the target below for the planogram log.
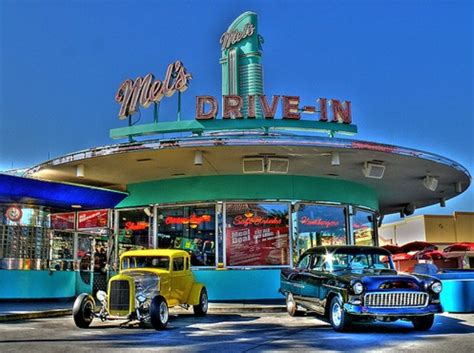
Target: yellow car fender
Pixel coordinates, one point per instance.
(194, 293)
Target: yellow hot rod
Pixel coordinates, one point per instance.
(148, 284)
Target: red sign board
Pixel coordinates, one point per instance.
(63, 221)
(262, 242)
(92, 219)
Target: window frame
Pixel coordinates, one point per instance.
(374, 224)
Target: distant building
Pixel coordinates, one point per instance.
(437, 229)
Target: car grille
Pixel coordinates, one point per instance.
(396, 299)
(119, 296)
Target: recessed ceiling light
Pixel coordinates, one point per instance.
(76, 206)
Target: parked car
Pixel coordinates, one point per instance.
(149, 282)
(349, 283)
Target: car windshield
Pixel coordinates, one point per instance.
(162, 262)
(357, 261)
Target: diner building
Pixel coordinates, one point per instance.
(245, 194)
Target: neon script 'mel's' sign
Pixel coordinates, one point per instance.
(234, 36)
(147, 90)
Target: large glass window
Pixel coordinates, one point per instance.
(135, 230)
(363, 227)
(62, 251)
(192, 228)
(257, 234)
(319, 225)
(24, 237)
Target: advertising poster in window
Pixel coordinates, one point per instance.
(63, 221)
(92, 219)
(257, 234)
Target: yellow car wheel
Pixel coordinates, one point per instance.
(83, 310)
(201, 308)
(159, 313)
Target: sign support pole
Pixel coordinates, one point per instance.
(179, 105)
(155, 112)
(130, 139)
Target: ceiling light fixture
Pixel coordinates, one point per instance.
(373, 170)
(409, 209)
(80, 171)
(253, 165)
(442, 202)
(198, 157)
(430, 182)
(278, 165)
(335, 160)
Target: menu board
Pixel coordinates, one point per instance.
(63, 221)
(92, 219)
(257, 237)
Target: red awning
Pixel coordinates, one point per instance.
(418, 246)
(394, 249)
(464, 246)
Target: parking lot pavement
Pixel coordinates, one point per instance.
(237, 333)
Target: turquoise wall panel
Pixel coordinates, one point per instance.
(242, 285)
(17, 284)
(82, 286)
(249, 187)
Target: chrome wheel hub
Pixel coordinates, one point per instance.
(205, 302)
(163, 312)
(290, 302)
(336, 314)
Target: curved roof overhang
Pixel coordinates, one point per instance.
(116, 166)
(56, 195)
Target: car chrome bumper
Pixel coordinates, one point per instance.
(380, 311)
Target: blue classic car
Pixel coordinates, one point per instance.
(349, 283)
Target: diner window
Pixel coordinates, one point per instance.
(191, 228)
(363, 227)
(319, 225)
(62, 251)
(257, 234)
(24, 237)
(134, 229)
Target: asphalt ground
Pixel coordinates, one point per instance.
(233, 332)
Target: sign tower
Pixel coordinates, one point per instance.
(241, 55)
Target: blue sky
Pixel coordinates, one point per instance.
(407, 67)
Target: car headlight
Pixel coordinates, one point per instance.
(357, 287)
(101, 295)
(436, 287)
